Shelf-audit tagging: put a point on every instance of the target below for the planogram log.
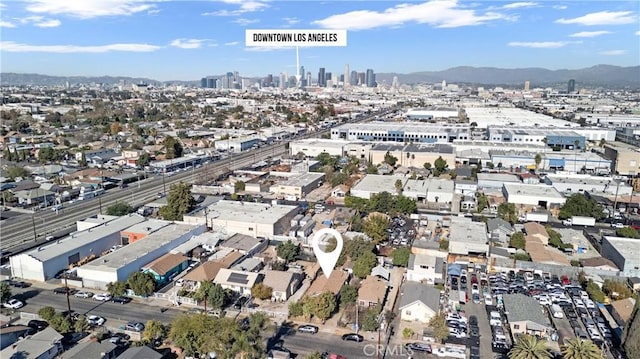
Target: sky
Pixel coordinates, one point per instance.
(187, 40)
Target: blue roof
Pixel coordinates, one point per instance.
(454, 269)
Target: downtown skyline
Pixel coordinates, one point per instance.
(169, 40)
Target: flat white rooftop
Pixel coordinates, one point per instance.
(80, 239)
(251, 212)
(500, 177)
(378, 183)
(127, 254)
(148, 227)
(302, 180)
(409, 127)
(505, 116)
(533, 190)
(628, 247)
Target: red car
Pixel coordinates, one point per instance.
(565, 280)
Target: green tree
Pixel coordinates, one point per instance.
(398, 186)
(239, 186)
(537, 159)
(14, 172)
(326, 159)
(154, 329)
(323, 305)
(47, 154)
(46, 313)
(348, 295)
(363, 265)
(507, 211)
(314, 355)
(407, 333)
(595, 292)
(119, 209)
(60, 323)
(370, 320)
(444, 244)
(143, 160)
(172, 147)
(295, 309)
(81, 324)
(261, 291)
(287, 251)
(427, 166)
(372, 169)
(375, 226)
(579, 205)
(440, 165)
(142, 284)
(390, 159)
(179, 202)
(439, 326)
(631, 334)
(401, 256)
(616, 289)
(117, 289)
(212, 293)
(529, 347)
(627, 232)
(579, 349)
(517, 241)
(483, 202)
(5, 292)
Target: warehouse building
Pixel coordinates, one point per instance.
(468, 238)
(496, 180)
(412, 154)
(624, 253)
(558, 138)
(625, 158)
(532, 195)
(118, 265)
(298, 186)
(433, 190)
(400, 132)
(373, 184)
(44, 262)
(578, 183)
(253, 219)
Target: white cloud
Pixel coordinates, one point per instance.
(590, 33)
(40, 21)
(601, 18)
(638, 33)
(438, 13)
(188, 43)
(87, 9)
(245, 7)
(560, 7)
(289, 21)
(232, 43)
(612, 52)
(245, 22)
(48, 23)
(6, 24)
(519, 5)
(542, 44)
(10, 46)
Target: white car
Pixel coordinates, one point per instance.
(96, 320)
(13, 304)
(488, 300)
(103, 297)
(83, 295)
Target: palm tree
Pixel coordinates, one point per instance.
(529, 347)
(578, 349)
(537, 160)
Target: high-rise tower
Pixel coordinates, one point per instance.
(346, 81)
(370, 78)
(321, 77)
(571, 86)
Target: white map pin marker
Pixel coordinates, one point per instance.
(327, 260)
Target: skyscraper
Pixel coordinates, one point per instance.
(370, 78)
(309, 78)
(229, 82)
(394, 83)
(361, 79)
(283, 80)
(203, 82)
(346, 82)
(327, 77)
(321, 77)
(211, 83)
(526, 85)
(353, 81)
(301, 74)
(571, 86)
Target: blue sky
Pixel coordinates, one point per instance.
(186, 40)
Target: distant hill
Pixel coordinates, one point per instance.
(600, 75)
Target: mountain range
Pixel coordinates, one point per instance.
(599, 75)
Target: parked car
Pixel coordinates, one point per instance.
(134, 326)
(96, 320)
(13, 304)
(83, 294)
(419, 347)
(37, 324)
(21, 284)
(102, 297)
(121, 300)
(353, 337)
(312, 329)
(63, 290)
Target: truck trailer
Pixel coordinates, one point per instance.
(580, 221)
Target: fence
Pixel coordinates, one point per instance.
(172, 298)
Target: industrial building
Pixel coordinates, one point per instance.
(496, 180)
(44, 262)
(532, 195)
(624, 253)
(298, 186)
(400, 132)
(434, 190)
(254, 219)
(247, 245)
(426, 114)
(557, 138)
(486, 117)
(118, 265)
(313, 147)
(373, 184)
(578, 183)
(412, 154)
(468, 238)
(237, 144)
(625, 158)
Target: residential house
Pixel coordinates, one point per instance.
(601, 263)
(419, 302)
(238, 281)
(373, 291)
(165, 268)
(332, 284)
(340, 191)
(11, 334)
(499, 230)
(536, 230)
(35, 196)
(283, 284)
(92, 349)
(621, 310)
(143, 352)
(425, 268)
(42, 345)
(525, 315)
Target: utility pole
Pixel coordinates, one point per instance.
(66, 286)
